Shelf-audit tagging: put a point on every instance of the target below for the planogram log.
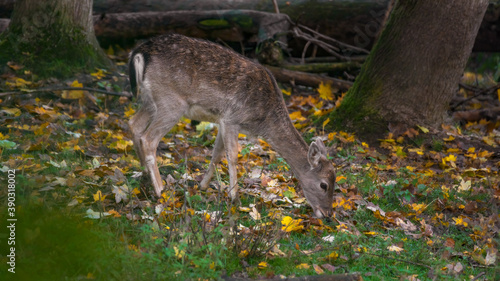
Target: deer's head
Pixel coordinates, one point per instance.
(318, 182)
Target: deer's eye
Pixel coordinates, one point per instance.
(323, 186)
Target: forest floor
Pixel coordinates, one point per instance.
(422, 204)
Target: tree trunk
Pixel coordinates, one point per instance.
(53, 37)
(414, 68)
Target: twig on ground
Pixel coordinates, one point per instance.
(29, 91)
(478, 276)
(478, 92)
(400, 260)
(328, 38)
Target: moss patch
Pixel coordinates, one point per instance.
(51, 46)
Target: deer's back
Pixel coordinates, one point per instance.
(214, 82)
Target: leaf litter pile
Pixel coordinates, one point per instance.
(421, 202)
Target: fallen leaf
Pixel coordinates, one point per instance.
(318, 269)
(303, 266)
(96, 215)
(329, 267)
(98, 196)
(290, 224)
(255, 214)
(121, 193)
(325, 91)
(450, 243)
(394, 248)
(262, 265)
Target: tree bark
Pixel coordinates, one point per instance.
(53, 37)
(414, 68)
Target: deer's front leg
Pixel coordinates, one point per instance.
(216, 157)
(230, 137)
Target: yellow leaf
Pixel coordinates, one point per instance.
(339, 100)
(418, 151)
(114, 213)
(99, 74)
(450, 158)
(326, 122)
(243, 254)
(135, 191)
(339, 178)
(450, 138)
(262, 265)
(325, 91)
(98, 196)
(179, 253)
(297, 116)
(453, 150)
(303, 266)
(489, 141)
(11, 111)
(423, 129)
(370, 233)
(121, 145)
(460, 221)
(74, 94)
(19, 83)
(331, 136)
(129, 112)
(418, 207)
(110, 51)
(290, 224)
(333, 256)
(286, 92)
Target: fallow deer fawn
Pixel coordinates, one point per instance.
(177, 76)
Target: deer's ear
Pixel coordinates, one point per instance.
(316, 151)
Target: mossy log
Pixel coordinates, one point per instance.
(307, 79)
(323, 67)
(354, 22)
(227, 25)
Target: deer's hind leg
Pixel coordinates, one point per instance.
(166, 114)
(138, 125)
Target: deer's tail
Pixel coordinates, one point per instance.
(136, 67)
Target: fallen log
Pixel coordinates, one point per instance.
(307, 79)
(228, 25)
(355, 22)
(323, 67)
(488, 114)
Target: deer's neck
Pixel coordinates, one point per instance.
(288, 142)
